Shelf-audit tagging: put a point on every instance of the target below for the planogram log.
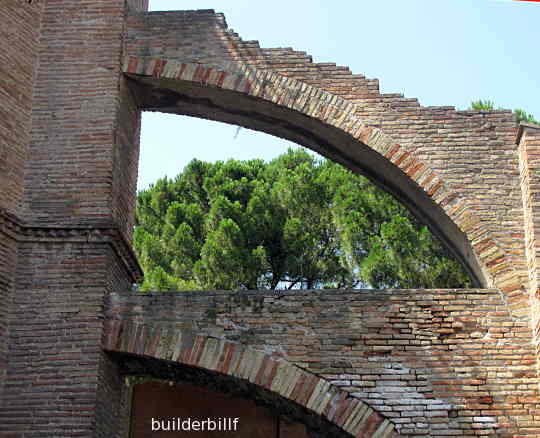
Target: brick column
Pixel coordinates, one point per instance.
(18, 58)
(529, 163)
(73, 238)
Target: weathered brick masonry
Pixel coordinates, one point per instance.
(66, 96)
(433, 362)
(75, 76)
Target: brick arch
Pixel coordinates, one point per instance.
(274, 374)
(282, 106)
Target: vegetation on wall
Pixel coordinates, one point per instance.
(488, 105)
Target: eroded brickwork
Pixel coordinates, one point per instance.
(331, 127)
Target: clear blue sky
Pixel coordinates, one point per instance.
(444, 52)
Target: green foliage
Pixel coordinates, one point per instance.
(482, 105)
(523, 116)
(296, 222)
(488, 105)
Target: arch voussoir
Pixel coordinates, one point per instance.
(274, 374)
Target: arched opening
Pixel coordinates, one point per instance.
(333, 142)
(292, 221)
(173, 399)
(285, 396)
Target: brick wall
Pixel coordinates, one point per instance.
(434, 362)
(18, 59)
(137, 5)
(83, 143)
(55, 331)
(69, 172)
(8, 263)
(107, 418)
(126, 162)
(57, 373)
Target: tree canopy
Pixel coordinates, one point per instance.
(295, 222)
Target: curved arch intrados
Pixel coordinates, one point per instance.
(218, 104)
(173, 353)
(148, 367)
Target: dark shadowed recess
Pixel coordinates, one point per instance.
(317, 426)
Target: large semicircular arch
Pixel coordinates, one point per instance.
(314, 118)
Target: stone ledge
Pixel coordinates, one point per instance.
(19, 231)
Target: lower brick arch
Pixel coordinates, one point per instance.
(273, 374)
(269, 102)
